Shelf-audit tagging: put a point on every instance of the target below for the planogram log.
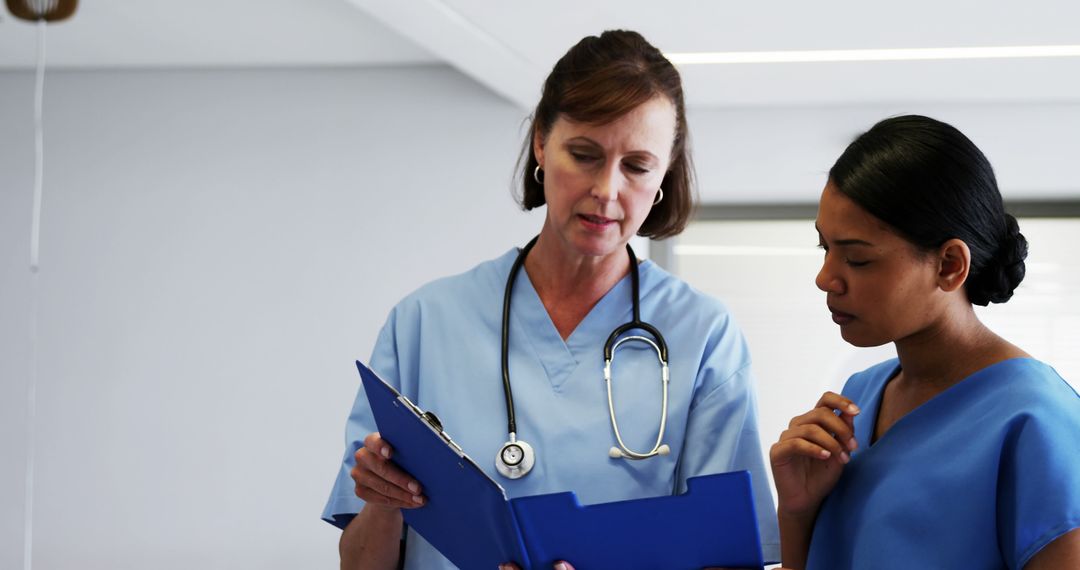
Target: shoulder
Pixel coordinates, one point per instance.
(679, 297)
(1029, 375)
(1032, 392)
(698, 323)
(1038, 473)
(439, 310)
(862, 384)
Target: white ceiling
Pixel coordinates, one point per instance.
(209, 33)
(510, 45)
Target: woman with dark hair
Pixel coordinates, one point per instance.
(608, 154)
(962, 452)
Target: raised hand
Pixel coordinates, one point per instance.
(811, 454)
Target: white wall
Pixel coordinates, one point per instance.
(217, 248)
(771, 154)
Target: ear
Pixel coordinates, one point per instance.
(538, 146)
(954, 262)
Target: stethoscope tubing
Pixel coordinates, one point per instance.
(511, 421)
(613, 342)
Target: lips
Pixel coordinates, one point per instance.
(595, 222)
(840, 317)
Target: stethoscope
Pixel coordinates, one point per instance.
(516, 457)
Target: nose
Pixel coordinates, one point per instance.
(608, 183)
(828, 280)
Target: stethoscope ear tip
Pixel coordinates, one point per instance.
(615, 453)
(664, 450)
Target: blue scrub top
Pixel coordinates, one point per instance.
(441, 348)
(983, 475)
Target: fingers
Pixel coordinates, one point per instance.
(830, 424)
(841, 405)
(837, 402)
(379, 481)
(509, 566)
(837, 415)
(377, 445)
(807, 441)
(374, 498)
(827, 431)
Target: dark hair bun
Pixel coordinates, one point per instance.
(996, 282)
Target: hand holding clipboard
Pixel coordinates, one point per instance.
(379, 481)
(470, 520)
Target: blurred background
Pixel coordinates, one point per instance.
(235, 194)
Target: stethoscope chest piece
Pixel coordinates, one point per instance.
(515, 459)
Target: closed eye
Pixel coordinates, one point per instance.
(850, 262)
(583, 158)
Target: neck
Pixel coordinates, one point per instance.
(952, 348)
(556, 271)
(570, 284)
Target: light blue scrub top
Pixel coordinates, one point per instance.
(981, 476)
(441, 348)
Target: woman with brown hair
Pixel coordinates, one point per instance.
(608, 154)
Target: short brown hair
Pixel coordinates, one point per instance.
(599, 80)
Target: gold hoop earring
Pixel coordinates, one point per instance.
(659, 197)
(536, 175)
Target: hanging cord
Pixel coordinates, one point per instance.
(31, 389)
(39, 146)
(31, 412)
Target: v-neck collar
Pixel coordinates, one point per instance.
(865, 431)
(561, 358)
(868, 427)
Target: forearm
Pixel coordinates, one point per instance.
(371, 540)
(795, 533)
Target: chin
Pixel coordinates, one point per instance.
(862, 341)
(596, 246)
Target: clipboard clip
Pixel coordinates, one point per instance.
(433, 422)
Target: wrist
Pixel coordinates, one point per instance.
(381, 513)
(806, 514)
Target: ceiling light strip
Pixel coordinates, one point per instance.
(913, 54)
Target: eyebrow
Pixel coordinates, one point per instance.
(849, 241)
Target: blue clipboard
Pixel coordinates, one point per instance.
(470, 520)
